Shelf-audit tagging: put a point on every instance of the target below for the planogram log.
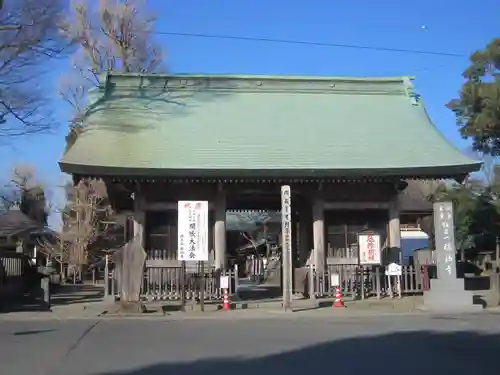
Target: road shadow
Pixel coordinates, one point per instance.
(25, 302)
(67, 294)
(33, 332)
(259, 292)
(409, 353)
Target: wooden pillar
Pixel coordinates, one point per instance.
(319, 234)
(394, 240)
(211, 227)
(139, 217)
(295, 243)
(220, 259)
(304, 233)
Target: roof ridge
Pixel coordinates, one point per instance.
(292, 77)
(254, 83)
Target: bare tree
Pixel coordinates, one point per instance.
(8, 197)
(55, 250)
(26, 191)
(87, 223)
(86, 219)
(28, 38)
(23, 177)
(112, 36)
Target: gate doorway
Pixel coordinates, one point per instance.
(254, 249)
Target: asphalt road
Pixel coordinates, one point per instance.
(406, 345)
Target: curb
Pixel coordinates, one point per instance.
(245, 314)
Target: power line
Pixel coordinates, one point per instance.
(433, 67)
(311, 43)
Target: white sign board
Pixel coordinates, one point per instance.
(286, 243)
(335, 279)
(224, 282)
(192, 238)
(286, 219)
(369, 248)
(394, 269)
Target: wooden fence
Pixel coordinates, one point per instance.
(13, 274)
(165, 283)
(364, 282)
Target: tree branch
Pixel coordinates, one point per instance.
(28, 37)
(113, 36)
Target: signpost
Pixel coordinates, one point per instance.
(224, 282)
(286, 242)
(394, 269)
(334, 279)
(192, 241)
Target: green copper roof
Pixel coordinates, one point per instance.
(190, 124)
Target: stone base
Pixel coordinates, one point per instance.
(449, 296)
(132, 307)
(300, 280)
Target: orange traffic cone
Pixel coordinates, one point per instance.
(227, 305)
(338, 298)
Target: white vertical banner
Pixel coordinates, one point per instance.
(369, 248)
(192, 231)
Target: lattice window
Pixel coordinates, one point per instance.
(344, 225)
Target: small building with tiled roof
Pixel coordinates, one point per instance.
(19, 232)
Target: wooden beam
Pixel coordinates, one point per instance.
(165, 206)
(356, 205)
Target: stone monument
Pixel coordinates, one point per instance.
(130, 261)
(447, 292)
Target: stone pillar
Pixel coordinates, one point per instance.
(394, 232)
(220, 259)
(447, 293)
(319, 234)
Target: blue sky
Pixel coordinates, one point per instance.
(450, 26)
